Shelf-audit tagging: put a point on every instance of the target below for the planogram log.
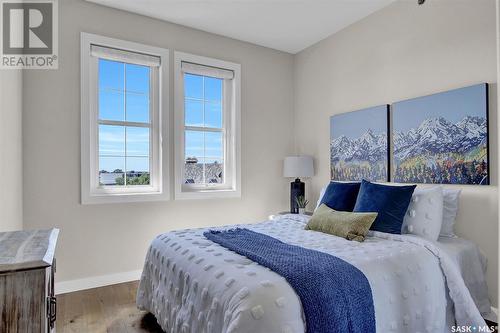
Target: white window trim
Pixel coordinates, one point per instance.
(160, 190)
(233, 134)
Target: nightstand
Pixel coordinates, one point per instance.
(273, 216)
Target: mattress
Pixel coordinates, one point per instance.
(472, 265)
(194, 285)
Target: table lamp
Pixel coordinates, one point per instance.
(297, 167)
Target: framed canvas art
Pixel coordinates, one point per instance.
(442, 138)
(359, 145)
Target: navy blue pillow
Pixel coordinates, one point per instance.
(341, 196)
(390, 202)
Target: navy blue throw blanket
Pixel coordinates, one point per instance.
(335, 295)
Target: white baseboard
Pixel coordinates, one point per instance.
(64, 287)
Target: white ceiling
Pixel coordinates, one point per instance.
(286, 25)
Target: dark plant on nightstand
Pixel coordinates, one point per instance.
(301, 203)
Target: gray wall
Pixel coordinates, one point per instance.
(11, 168)
(105, 239)
(400, 52)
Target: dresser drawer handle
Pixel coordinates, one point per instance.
(51, 310)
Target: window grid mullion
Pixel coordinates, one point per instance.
(125, 117)
(133, 92)
(111, 155)
(194, 99)
(124, 123)
(224, 131)
(203, 129)
(151, 100)
(204, 142)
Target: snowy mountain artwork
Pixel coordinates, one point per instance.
(442, 138)
(358, 145)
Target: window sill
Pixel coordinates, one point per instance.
(124, 198)
(208, 194)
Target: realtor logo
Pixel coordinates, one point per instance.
(29, 34)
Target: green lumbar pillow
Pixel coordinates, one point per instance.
(349, 225)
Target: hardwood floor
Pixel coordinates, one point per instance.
(490, 324)
(107, 309)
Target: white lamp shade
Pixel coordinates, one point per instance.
(298, 166)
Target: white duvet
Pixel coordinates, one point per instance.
(194, 285)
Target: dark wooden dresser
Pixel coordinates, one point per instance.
(27, 266)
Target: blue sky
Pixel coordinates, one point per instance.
(354, 124)
(452, 105)
(124, 96)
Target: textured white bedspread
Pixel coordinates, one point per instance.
(194, 285)
(472, 265)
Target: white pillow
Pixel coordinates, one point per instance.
(424, 216)
(450, 210)
(321, 194)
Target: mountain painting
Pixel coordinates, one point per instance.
(442, 138)
(358, 145)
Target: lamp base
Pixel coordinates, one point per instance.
(297, 189)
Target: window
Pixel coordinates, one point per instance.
(122, 121)
(207, 122)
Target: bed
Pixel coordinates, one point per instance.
(192, 284)
(472, 265)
